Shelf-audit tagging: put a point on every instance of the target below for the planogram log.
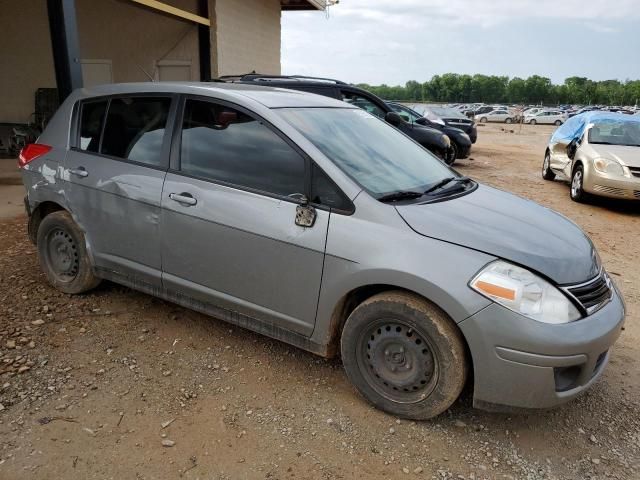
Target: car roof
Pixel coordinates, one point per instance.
(271, 97)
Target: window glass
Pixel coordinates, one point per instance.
(363, 102)
(91, 120)
(325, 192)
(135, 129)
(375, 154)
(224, 144)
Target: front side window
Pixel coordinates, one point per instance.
(362, 102)
(223, 144)
(91, 118)
(376, 155)
(135, 129)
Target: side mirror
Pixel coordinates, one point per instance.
(305, 213)
(422, 121)
(394, 119)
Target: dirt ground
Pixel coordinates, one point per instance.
(117, 384)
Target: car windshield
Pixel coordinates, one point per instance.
(376, 155)
(615, 132)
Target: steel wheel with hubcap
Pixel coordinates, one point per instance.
(404, 355)
(547, 173)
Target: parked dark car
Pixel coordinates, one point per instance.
(430, 138)
(460, 141)
(451, 117)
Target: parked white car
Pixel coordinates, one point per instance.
(500, 115)
(550, 117)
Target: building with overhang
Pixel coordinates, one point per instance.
(50, 47)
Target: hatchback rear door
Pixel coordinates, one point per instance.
(229, 232)
(116, 169)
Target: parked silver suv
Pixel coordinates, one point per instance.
(311, 221)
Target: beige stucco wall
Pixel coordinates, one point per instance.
(246, 36)
(26, 61)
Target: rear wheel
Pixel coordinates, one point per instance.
(483, 120)
(547, 173)
(557, 123)
(508, 120)
(532, 122)
(404, 355)
(62, 254)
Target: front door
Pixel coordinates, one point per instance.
(116, 170)
(229, 232)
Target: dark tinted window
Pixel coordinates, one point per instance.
(325, 192)
(91, 119)
(363, 102)
(135, 129)
(224, 144)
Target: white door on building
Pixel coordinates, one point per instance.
(96, 72)
(174, 70)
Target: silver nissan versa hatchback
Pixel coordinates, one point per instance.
(313, 222)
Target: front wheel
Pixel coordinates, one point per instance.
(404, 355)
(532, 122)
(483, 120)
(508, 120)
(557, 123)
(451, 155)
(62, 254)
(577, 185)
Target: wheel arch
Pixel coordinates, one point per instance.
(38, 214)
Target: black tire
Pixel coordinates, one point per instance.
(63, 255)
(547, 173)
(532, 122)
(508, 120)
(483, 120)
(404, 355)
(576, 190)
(557, 123)
(452, 154)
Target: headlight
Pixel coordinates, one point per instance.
(608, 166)
(524, 292)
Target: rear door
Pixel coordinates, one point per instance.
(116, 170)
(229, 232)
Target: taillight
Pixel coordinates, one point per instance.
(31, 152)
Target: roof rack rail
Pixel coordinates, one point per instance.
(257, 77)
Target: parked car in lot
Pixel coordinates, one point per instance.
(501, 115)
(460, 141)
(449, 116)
(430, 138)
(599, 153)
(319, 224)
(549, 117)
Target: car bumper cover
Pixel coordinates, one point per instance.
(522, 363)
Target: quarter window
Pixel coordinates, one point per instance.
(223, 144)
(324, 192)
(91, 119)
(135, 129)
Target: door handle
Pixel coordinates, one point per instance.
(79, 172)
(184, 198)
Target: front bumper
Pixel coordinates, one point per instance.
(522, 363)
(611, 186)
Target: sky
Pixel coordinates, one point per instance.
(393, 41)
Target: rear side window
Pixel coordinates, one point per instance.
(91, 119)
(223, 144)
(135, 129)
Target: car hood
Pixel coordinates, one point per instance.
(509, 227)
(629, 156)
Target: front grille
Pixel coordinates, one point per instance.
(635, 171)
(593, 294)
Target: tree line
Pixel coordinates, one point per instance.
(453, 87)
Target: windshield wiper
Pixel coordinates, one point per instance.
(445, 181)
(400, 195)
